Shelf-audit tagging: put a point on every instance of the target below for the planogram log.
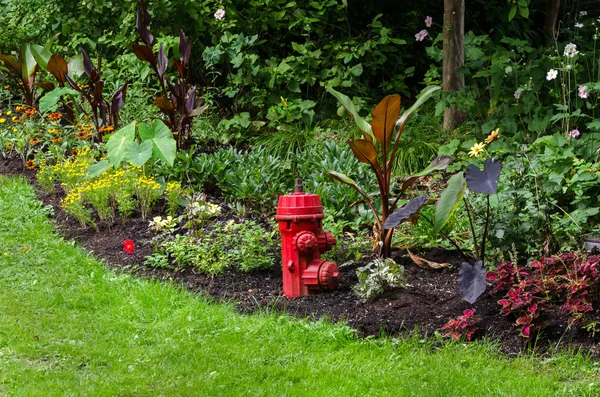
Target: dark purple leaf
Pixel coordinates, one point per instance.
(141, 24)
(405, 212)
(197, 111)
(11, 64)
(88, 66)
(164, 105)
(485, 181)
(163, 61)
(117, 102)
(471, 281)
(185, 48)
(46, 85)
(190, 101)
(72, 83)
(144, 53)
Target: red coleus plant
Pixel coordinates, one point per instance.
(129, 247)
(462, 326)
(567, 278)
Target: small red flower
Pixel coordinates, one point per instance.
(128, 246)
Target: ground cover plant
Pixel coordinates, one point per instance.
(65, 317)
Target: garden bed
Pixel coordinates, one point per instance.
(430, 299)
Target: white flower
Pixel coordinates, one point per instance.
(518, 93)
(578, 25)
(575, 134)
(220, 14)
(571, 50)
(551, 74)
(583, 92)
(583, 13)
(508, 70)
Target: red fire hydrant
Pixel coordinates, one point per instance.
(300, 219)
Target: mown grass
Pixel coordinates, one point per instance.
(69, 326)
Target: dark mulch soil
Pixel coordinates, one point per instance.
(427, 303)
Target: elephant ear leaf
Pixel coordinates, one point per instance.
(115, 147)
(471, 281)
(485, 181)
(405, 212)
(138, 153)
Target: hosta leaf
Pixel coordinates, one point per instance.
(438, 164)
(405, 212)
(161, 140)
(485, 181)
(449, 201)
(138, 153)
(115, 147)
(384, 118)
(363, 126)
(471, 281)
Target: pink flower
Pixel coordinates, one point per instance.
(518, 94)
(583, 91)
(220, 14)
(428, 21)
(421, 35)
(575, 134)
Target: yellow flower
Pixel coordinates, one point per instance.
(8, 145)
(2, 120)
(30, 164)
(477, 149)
(9, 113)
(493, 136)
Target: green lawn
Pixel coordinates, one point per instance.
(69, 326)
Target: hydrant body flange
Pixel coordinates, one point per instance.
(300, 216)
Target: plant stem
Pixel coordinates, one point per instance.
(485, 230)
(447, 237)
(472, 228)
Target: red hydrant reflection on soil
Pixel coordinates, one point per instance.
(300, 219)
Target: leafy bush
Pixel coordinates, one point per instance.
(377, 276)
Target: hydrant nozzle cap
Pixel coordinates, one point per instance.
(298, 188)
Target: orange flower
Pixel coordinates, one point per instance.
(6, 87)
(20, 108)
(74, 152)
(81, 135)
(57, 140)
(108, 128)
(493, 136)
(55, 116)
(30, 164)
(33, 141)
(15, 119)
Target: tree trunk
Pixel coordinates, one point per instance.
(454, 57)
(551, 17)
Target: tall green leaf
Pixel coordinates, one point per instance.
(438, 164)
(423, 97)
(361, 123)
(164, 146)
(449, 201)
(96, 169)
(115, 147)
(41, 55)
(28, 62)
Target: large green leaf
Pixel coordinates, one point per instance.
(160, 136)
(115, 147)
(423, 97)
(361, 123)
(28, 62)
(41, 55)
(96, 169)
(449, 201)
(49, 101)
(138, 153)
